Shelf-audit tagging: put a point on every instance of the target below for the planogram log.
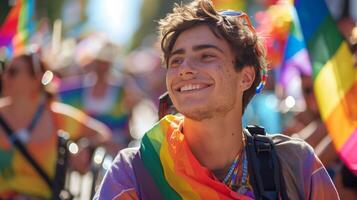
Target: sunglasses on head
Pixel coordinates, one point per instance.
(246, 21)
(239, 15)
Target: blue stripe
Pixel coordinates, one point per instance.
(31, 22)
(312, 14)
(293, 46)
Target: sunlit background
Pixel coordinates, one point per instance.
(72, 33)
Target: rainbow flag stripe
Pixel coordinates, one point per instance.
(170, 164)
(18, 26)
(117, 118)
(335, 78)
(296, 58)
(9, 28)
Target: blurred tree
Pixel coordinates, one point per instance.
(151, 12)
(230, 4)
(50, 9)
(4, 10)
(53, 10)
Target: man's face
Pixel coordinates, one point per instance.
(201, 79)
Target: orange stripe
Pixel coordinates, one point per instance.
(343, 120)
(334, 80)
(168, 157)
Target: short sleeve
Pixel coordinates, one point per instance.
(119, 181)
(305, 176)
(322, 186)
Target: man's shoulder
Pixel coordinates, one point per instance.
(123, 162)
(295, 152)
(287, 143)
(126, 155)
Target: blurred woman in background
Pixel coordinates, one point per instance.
(35, 119)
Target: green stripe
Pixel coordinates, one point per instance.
(324, 44)
(23, 16)
(156, 136)
(153, 165)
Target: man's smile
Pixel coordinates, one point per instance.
(192, 87)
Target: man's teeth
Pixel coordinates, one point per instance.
(189, 87)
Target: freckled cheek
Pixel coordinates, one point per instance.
(169, 79)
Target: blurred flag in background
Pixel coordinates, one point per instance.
(335, 78)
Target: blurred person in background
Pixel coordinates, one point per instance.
(308, 125)
(145, 66)
(35, 119)
(107, 98)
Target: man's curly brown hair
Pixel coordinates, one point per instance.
(247, 45)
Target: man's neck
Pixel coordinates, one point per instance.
(214, 142)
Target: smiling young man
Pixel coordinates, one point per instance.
(214, 63)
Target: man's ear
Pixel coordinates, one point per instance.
(248, 77)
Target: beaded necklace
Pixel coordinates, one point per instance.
(233, 169)
(237, 176)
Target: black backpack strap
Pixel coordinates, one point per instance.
(21, 147)
(264, 166)
(59, 191)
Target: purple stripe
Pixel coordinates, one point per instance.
(348, 152)
(293, 66)
(147, 188)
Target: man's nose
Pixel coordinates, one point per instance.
(188, 68)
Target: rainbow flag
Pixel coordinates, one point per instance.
(18, 26)
(172, 169)
(335, 78)
(296, 58)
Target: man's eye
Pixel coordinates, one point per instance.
(175, 62)
(207, 56)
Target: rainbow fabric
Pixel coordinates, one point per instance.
(335, 78)
(117, 118)
(18, 26)
(170, 164)
(296, 58)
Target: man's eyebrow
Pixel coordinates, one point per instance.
(178, 51)
(197, 48)
(206, 46)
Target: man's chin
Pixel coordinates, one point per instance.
(203, 113)
(197, 115)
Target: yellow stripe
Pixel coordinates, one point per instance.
(334, 80)
(176, 182)
(343, 120)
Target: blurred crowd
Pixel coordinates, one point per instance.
(103, 96)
